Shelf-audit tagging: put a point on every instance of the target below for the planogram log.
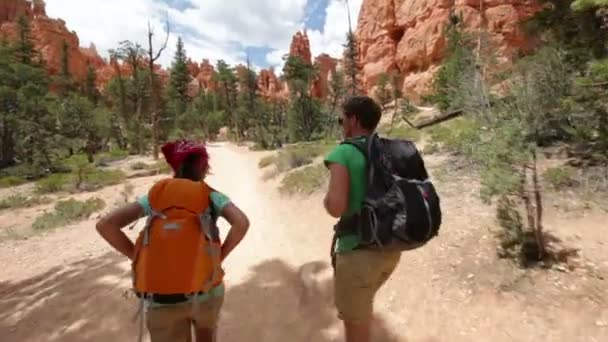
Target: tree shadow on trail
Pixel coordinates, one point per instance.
(279, 303)
(85, 301)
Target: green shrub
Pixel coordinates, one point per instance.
(459, 135)
(299, 155)
(400, 132)
(10, 181)
(139, 166)
(66, 212)
(87, 177)
(102, 178)
(304, 181)
(267, 161)
(52, 184)
(430, 149)
(19, 201)
(103, 159)
(160, 167)
(560, 177)
(270, 174)
(21, 171)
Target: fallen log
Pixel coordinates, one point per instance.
(442, 117)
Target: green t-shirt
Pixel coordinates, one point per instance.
(354, 161)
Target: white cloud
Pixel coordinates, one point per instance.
(333, 37)
(214, 29)
(275, 58)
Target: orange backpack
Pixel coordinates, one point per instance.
(179, 249)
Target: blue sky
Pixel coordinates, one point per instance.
(211, 29)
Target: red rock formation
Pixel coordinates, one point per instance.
(300, 47)
(326, 66)
(269, 86)
(407, 35)
(10, 10)
(48, 36)
(241, 75)
(203, 79)
(93, 57)
(39, 8)
(111, 70)
(205, 76)
(193, 68)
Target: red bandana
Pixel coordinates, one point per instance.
(176, 152)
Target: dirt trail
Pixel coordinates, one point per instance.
(69, 286)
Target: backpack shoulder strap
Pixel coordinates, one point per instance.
(362, 146)
(366, 147)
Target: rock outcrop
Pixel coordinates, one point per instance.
(300, 47)
(12, 9)
(270, 86)
(407, 35)
(202, 77)
(49, 35)
(326, 66)
(193, 68)
(205, 76)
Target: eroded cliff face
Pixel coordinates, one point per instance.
(48, 35)
(407, 35)
(326, 66)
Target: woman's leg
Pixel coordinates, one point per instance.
(170, 324)
(206, 335)
(205, 320)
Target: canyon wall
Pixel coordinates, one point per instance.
(49, 35)
(407, 35)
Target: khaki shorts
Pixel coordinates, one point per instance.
(359, 275)
(172, 323)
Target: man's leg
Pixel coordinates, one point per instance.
(359, 275)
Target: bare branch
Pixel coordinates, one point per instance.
(164, 45)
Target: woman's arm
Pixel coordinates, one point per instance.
(110, 227)
(239, 225)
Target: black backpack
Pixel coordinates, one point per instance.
(401, 210)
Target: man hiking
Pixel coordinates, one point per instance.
(177, 257)
(359, 271)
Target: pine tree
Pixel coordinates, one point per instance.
(24, 48)
(305, 118)
(64, 80)
(35, 133)
(227, 84)
(179, 82)
(352, 66)
(8, 105)
(137, 91)
(90, 87)
(458, 64)
(383, 92)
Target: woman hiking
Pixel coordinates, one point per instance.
(176, 260)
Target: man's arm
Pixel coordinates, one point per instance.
(336, 199)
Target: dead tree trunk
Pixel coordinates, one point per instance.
(152, 58)
(538, 229)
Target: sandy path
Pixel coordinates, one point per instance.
(69, 286)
